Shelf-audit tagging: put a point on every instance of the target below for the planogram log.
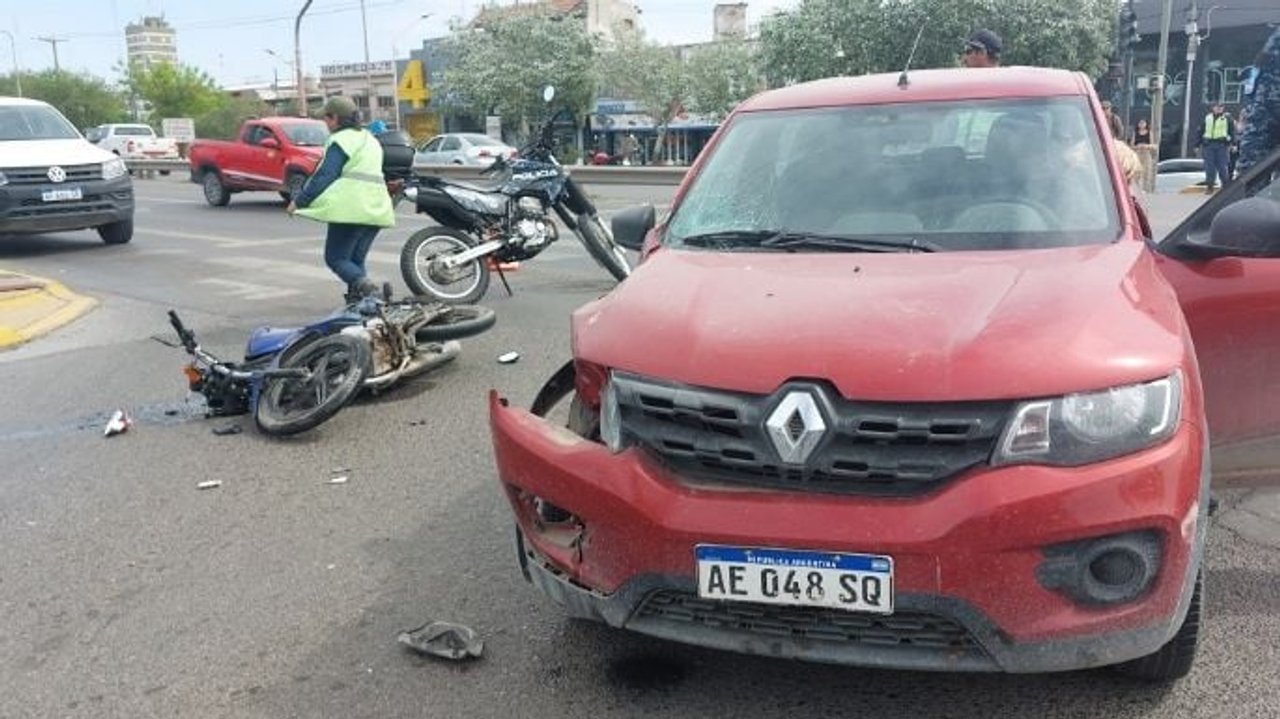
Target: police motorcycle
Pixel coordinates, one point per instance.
(507, 219)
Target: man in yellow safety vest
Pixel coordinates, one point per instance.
(1217, 135)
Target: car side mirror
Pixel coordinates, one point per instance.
(632, 225)
(270, 143)
(1248, 228)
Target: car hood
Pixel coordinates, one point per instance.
(35, 153)
(900, 326)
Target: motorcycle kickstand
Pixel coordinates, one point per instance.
(497, 267)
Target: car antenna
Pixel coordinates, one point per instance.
(902, 79)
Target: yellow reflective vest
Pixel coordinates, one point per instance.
(359, 195)
(1215, 128)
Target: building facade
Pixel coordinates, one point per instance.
(599, 16)
(149, 41)
(371, 86)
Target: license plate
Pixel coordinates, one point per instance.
(852, 582)
(70, 193)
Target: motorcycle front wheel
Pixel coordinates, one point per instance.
(338, 364)
(425, 275)
(602, 248)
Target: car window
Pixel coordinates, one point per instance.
(968, 175)
(433, 145)
(450, 144)
(135, 131)
(34, 122)
(254, 133)
(306, 134)
(482, 141)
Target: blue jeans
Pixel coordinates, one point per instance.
(345, 247)
(1216, 162)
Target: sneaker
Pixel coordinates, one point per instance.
(366, 287)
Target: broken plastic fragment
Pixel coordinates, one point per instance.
(211, 484)
(338, 480)
(443, 639)
(508, 358)
(119, 423)
(229, 429)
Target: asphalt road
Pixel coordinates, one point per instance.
(127, 592)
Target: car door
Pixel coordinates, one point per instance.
(1232, 307)
(451, 151)
(260, 163)
(428, 154)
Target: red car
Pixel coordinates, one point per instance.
(924, 394)
(274, 154)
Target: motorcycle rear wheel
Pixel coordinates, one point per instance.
(458, 322)
(338, 364)
(602, 248)
(460, 286)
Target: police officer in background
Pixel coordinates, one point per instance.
(348, 192)
(1216, 136)
(1261, 135)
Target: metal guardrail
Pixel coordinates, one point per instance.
(585, 174)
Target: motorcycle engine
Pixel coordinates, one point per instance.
(381, 348)
(533, 229)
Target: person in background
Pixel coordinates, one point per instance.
(1142, 134)
(1261, 111)
(982, 49)
(377, 127)
(348, 192)
(1217, 134)
(1129, 161)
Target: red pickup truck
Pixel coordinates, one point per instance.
(274, 154)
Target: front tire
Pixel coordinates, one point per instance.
(116, 233)
(215, 192)
(602, 248)
(338, 364)
(1173, 660)
(460, 321)
(419, 267)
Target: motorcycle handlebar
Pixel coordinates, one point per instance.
(186, 336)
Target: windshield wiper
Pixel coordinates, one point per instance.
(857, 243)
(728, 239)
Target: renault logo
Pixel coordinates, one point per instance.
(57, 174)
(796, 427)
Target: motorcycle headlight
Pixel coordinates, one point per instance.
(610, 417)
(113, 168)
(1094, 426)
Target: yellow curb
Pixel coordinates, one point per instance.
(65, 307)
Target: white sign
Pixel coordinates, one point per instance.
(356, 68)
(181, 129)
(493, 126)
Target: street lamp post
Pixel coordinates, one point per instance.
(395, 66)
(1193, 44)
(17, 71)
(275, 75)
(297, 60)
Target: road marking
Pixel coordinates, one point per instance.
(229, 243)
(245, 264)
(249, 291)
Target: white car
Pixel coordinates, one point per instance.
(1179, 173)
(133, 142)
(462, 148)
(52, 179)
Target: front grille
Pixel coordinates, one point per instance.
(886, 448)
(905, 629)
(40, 175)
(91, 203)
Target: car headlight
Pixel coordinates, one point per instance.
(1091, 427)
(610, 417)
(113, 168)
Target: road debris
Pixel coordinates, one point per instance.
(211, 484)
(119, 424)
(508, 358)
(443, 639)
(229, 429)
(338, 480)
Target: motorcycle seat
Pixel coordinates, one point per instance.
(493, 185)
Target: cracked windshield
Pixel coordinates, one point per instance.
(639, 358)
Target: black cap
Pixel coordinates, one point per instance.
(986, 41)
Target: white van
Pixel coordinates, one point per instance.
(52, 179)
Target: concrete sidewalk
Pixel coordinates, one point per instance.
(33, 306)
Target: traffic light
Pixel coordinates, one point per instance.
(1129, 27)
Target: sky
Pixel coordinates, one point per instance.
(229, 38)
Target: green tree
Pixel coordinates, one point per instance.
(175, 90)
(720, 76)
(649, 73)
(825, 38)
(501, 68)
(224, 121)
(85, 100)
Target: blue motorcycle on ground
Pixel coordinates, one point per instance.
(483, 225)
(294, 379)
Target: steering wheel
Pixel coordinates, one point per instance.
(1048, 217)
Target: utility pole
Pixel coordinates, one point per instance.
(1157, 100)
(368, 71)
(1193, 43)
(17, 69)
(297, 59)
(54, 40)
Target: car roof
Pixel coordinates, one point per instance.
(281, 120)
(4, 100)
(923, 86)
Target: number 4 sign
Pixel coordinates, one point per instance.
(413, 85)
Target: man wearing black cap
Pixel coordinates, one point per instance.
(982, 49)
